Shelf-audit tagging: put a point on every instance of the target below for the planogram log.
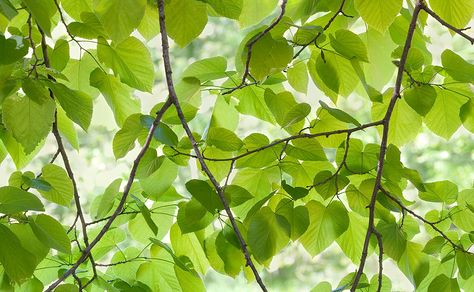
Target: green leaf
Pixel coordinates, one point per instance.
(306, 149)
(237, 194)
(185, 20)
(326, 225)
(189, 281)
(227, 8)
(441, 191)
(420, 98)
(76, 104)
(74, 8)
(163, 214)
(467, 115)
(124, 140)
(17, 262)
(329, 185)
(117, 95)
(193, 216)
(12, 49)
(7, 9)
(379, 14)
(158, 182)
(207, 69)
(205, 194)
(42, 11)
(50, 232)
(162, 132)
(394, 239)
(443, 119)
(253, 11)
(224, 139)
(297, 217)
(78, 74)
(130, 60)
(339, 114)
(29, 121)
(443, 284)
(146, 215)
(15, 200)
(108, 198)
(352, 240)
(298, 76)
(267, 234)
(189, 245)
(67, 288)
(465, 262)
(296, 114)
(269, 56)
(328, 73)
(61, 185)
(295, 192)
(66, 128)
(60, 55)
(456, 66)
(150, 25)
(349, 44)
(119, 17)
(455, 12)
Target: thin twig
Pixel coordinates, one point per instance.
(174, 98)
(459, 31)
(383, 144)
(250, 45)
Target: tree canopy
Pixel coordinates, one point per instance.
(242, 157)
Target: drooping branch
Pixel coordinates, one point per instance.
(123, 199)
(459, 31)
(383, 146)
(431, 224)
(174, 98)
(65, 157)
(250, 45)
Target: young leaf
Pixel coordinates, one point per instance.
(15, 200)
(50, 232)
(224, 139)
(349, 44)
(295, 192)
(420, 98)
(379, 14)
(185, 20)
(339, 114)
(61, 191)
(146, 214)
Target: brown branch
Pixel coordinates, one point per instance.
(287, 139)
(331, 20)
(250, 45)
(122, 202)
(459, 31)
(384, 142)
(174, 98)
(431, 224)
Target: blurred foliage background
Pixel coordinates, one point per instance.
(293, 269)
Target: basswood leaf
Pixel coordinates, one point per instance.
(207, 69)
(117, 95)
(326, 225)
(296, 114)
(298, 76)
(394, 239)
(59, 57)
(306, 149)
(467, 115)
(17, 262)
(162, 132)
(443, 283)
(130, 60)
(42, 11)
(150, 25)
(224, 139)
(61, 191)
(227, 8)
(352, 240)
(12, 49)
(237, 194)
(465, 262)
(66, 128)
(146, 214)
(295, 192)
(349, 44)
(420, 98)
(457, 67)
(15, 200)
(267, 234)
(441, 191)
(76, 104)
(108, 198)
(297, 217)
(185, 20)
(205, 194)
(378, 13)
(253, 11)
(189, 245)
(50, 232)
(160, 181)
(124, 140)
(74, 8)
(119, 17)
(29, 121)
(193, 216)
(268, 56)
(7, 9)
(339, 114)
(328, 73)
(443, 118)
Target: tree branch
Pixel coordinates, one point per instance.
(174, 98)
(250, 45)
(459, 31)
(122, 202)
(383, 144)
